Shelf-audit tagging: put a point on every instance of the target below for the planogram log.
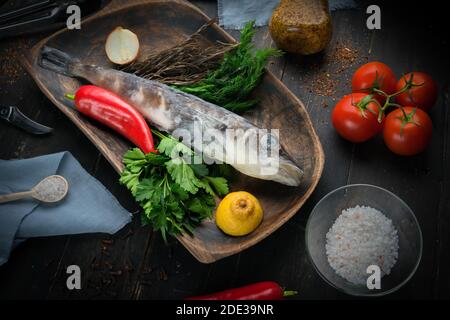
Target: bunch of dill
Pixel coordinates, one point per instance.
(240, 71)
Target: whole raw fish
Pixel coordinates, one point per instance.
(224, 135)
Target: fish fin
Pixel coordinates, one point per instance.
(56, 60)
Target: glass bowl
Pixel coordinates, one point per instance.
(330, 207)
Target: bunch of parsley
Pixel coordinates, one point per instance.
(174, 194)
(239, 73)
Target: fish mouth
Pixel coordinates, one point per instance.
(289, 174)
(285, 172)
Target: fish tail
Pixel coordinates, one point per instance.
(57, 61)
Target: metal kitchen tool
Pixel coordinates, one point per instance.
(17, 118)
(41, 16)
(51, 189)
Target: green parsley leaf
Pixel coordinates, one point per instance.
(204, 205)
(166, 145)
(219, 184)
(183, 175)
(133, 155)
(130, 180)
(207, 187)
(200, 169)
(173, 148)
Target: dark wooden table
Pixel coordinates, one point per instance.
(136, 264)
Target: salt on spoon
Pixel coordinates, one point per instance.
(51, 189)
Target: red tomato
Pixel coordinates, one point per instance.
(374, 74)
(407, 137)
(423, 96)
(356, 123)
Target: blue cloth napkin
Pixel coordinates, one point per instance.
(88, 206)
(234, 14)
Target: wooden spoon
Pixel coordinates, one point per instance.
(51, 189)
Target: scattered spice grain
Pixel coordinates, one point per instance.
(10, 66)
(337, 63)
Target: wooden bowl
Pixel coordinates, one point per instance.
(159, 25)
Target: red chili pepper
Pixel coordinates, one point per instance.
(109, 109)
(266, 290)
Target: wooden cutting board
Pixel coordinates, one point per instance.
(160, 25)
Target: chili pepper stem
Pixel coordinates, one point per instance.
(70, 96)
(289, 293)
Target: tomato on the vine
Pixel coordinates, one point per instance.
(423, 93)
(374, 75)
(407, 132)
(355, 117)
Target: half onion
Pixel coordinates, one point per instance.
(122, 46)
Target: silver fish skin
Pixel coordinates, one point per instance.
(173, 111)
